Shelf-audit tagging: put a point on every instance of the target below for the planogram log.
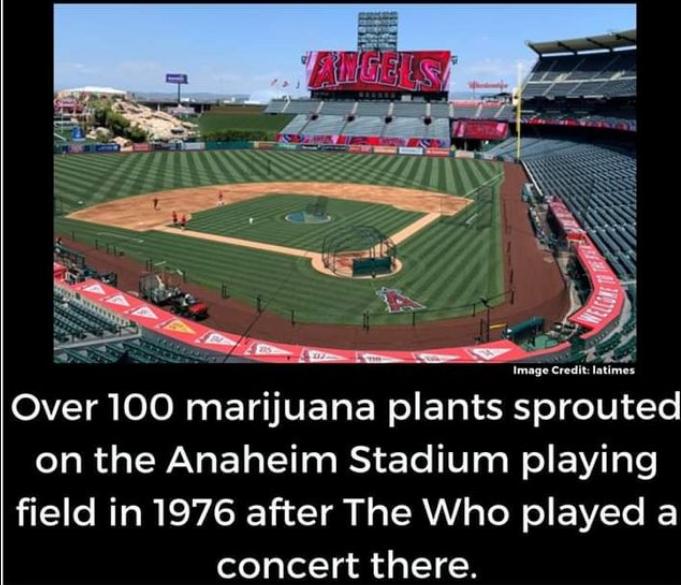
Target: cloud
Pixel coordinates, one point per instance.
(66, 67)
(265, 95)
(226, 77)
(138, 67)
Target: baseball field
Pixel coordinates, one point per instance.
(217, 121)
(444, 213)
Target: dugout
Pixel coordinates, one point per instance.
(525, 329)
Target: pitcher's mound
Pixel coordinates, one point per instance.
(302, 217)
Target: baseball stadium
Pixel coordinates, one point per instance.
(377, 219)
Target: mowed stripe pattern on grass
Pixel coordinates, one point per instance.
(270, 224)
(216, 121)
(447, 265)
(95, 178)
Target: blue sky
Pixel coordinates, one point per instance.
(235, 48)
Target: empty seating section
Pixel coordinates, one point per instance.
(275, 107)
(365, 126)
(337, 108)
(439, 110)
(608, 74)
(86, 333)
(146, 349)
(296, 125)
(534, 90)
(373, 108)
(465, 111)
(564, 88)
(75, 319)
(405, 128)
(439, 129)
(301, 107)
(409, 109)
(325, 125)
(598, 184)
(530, 147)
(505, 112)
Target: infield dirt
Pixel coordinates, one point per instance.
(534, 277)
(138, 213)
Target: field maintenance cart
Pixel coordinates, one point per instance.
(76, 268)
(163, 291)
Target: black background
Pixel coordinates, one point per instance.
(181, 555)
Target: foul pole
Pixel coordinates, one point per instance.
(518, 105)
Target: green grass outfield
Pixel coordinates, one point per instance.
(447, 265)
(270, 224)
(216, 121)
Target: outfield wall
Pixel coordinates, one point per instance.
(424, 148)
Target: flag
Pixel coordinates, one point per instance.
(284, 84)
(274, 82)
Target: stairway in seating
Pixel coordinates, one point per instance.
(319, 107)
(478, 111)
(391, 107)
(354, 108)
(427, 109)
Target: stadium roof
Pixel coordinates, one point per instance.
(615, 40)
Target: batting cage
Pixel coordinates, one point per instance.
(358, 251)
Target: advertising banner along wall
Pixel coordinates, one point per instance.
(437, 152)
(194, 146)
(480, 129)
(141, 147)
(413, 71)
(415, 150)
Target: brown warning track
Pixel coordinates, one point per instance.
(538, 284)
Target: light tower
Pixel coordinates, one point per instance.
(377, 31)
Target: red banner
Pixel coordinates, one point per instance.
(363, 148)
(360, 140)
(629, 126)
(437, 152)
(203, 337)
(413, 71)
(573, 231)
(143, 147)
(485, 85)
(385, 150)
(607, 297)
(480, 129)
